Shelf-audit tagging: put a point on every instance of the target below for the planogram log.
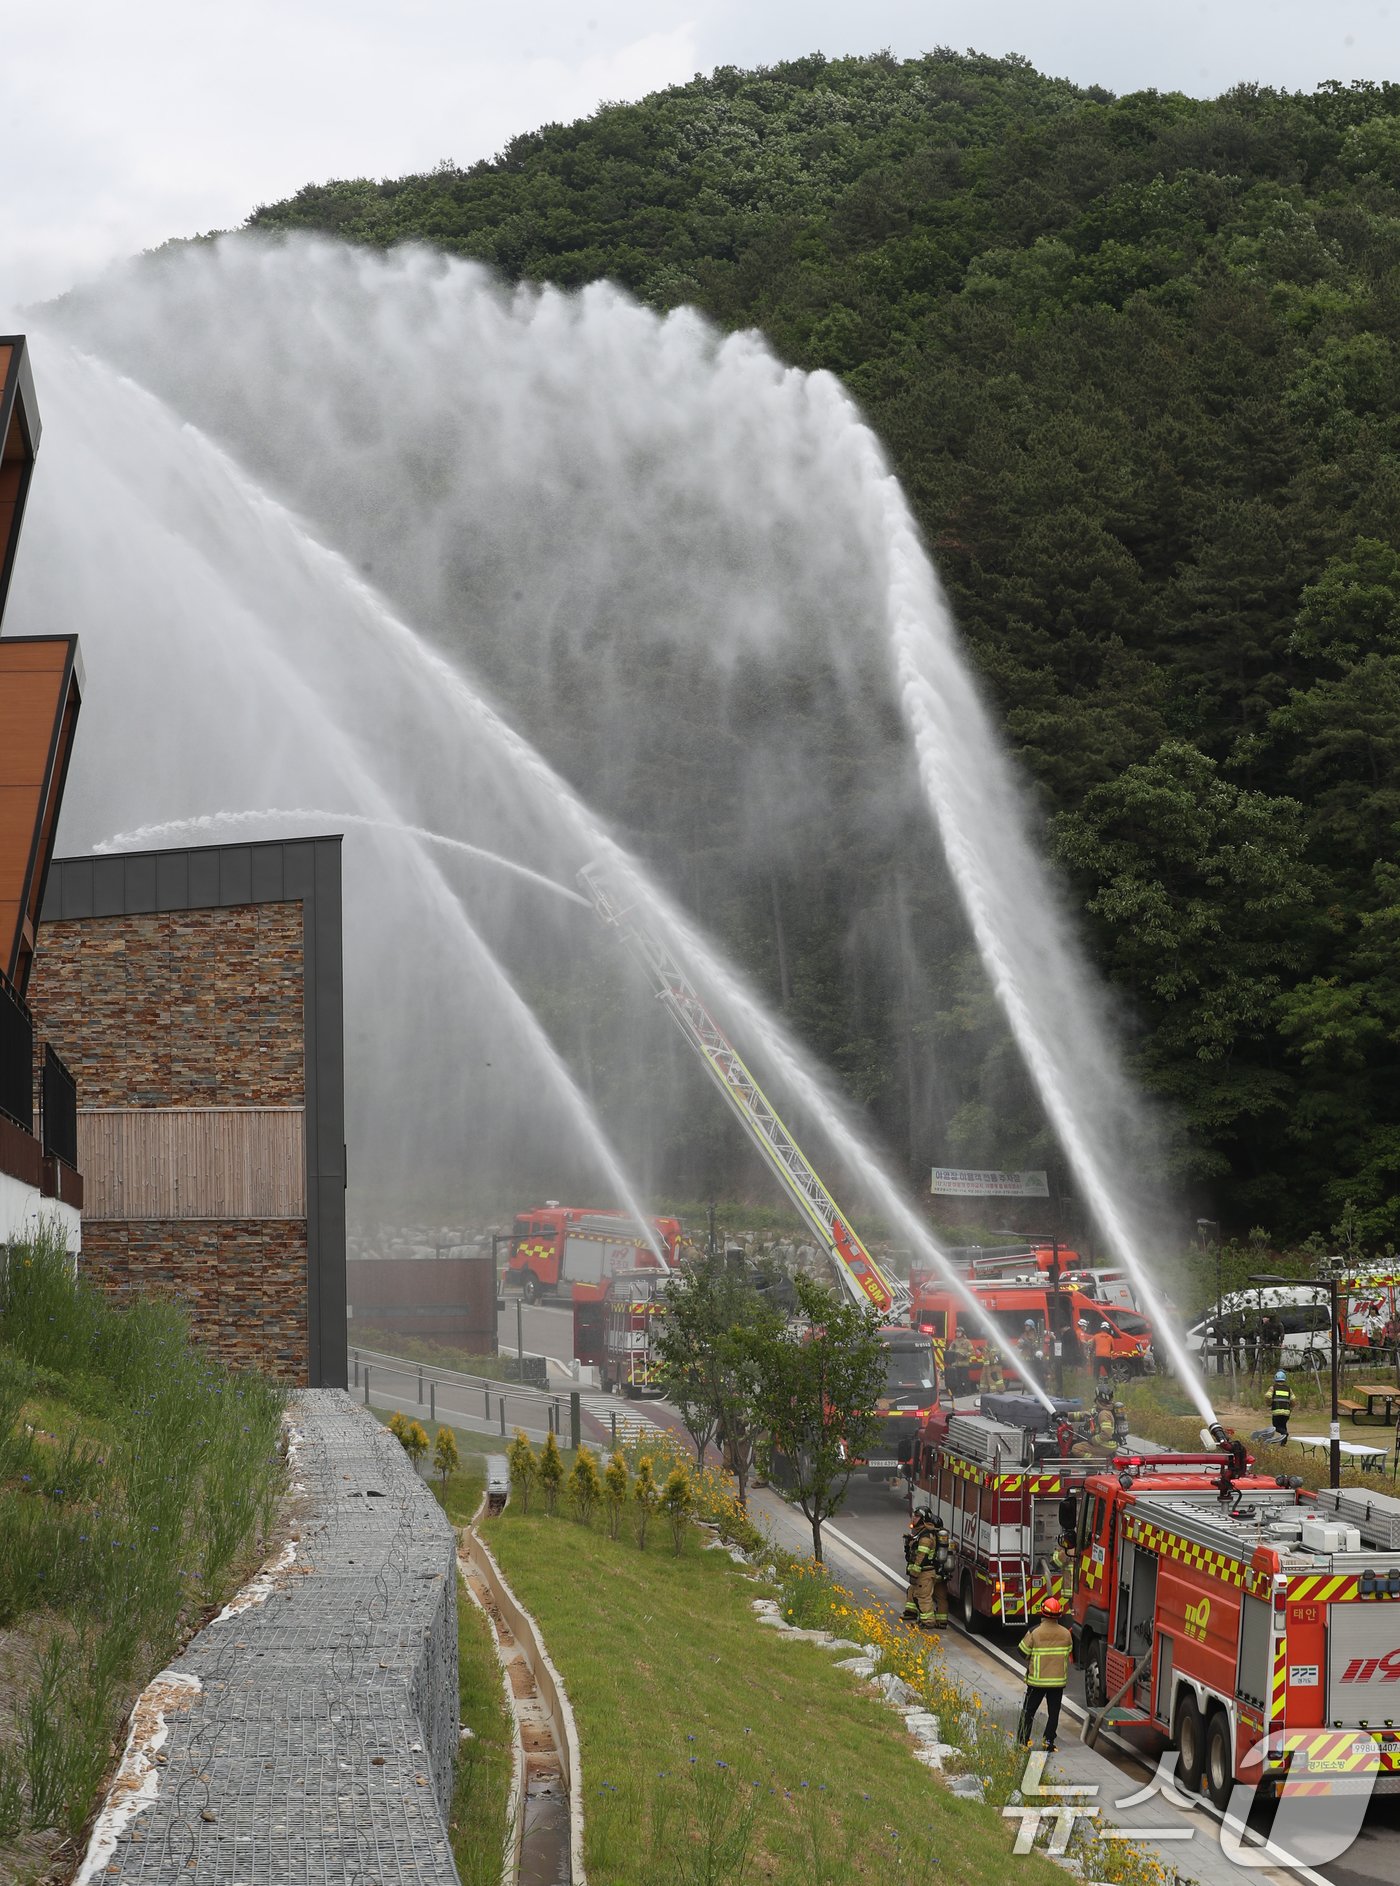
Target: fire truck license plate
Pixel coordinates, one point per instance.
(882, 1463)
(1358, 1752)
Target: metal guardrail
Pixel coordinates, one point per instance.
(368, 1365)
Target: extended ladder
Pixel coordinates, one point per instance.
(862, 1277)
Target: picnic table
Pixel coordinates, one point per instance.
(1374, 1392)
(1371, 1458)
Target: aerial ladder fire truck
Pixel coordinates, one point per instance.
(1252, 1625)
(911, 1378)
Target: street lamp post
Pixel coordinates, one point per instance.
(1334, 1435)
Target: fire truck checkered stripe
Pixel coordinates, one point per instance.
(1169, 1545)
(1280, 1678)
(1007, 1482)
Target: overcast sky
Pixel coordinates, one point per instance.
(123, 125)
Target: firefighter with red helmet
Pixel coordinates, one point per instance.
(1046, 1648)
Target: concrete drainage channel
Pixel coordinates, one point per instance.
(545, 1843)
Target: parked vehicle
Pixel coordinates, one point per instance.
(1056, 1315)
(1251, 1625)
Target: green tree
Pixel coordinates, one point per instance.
(677, 1502)
(615, 1481)
(446, 1459)
(816, 1393)
(585, 1485)
(646, 1496)
(524, 1468)
(706, 1351)
(415, 1442)
(551, 1472)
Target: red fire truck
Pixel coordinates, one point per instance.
(631, 1311)
(1253, 1626)
(561, 1250)
(999, 1481)
(1065, 1315)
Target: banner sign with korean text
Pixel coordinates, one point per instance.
(959, 1182)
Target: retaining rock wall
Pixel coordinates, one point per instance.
(308, 1733)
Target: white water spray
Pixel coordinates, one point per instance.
(159, 834)
(578, 464)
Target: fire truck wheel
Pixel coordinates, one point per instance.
(966, 1608)
(1095, 1688)
(529, 1286)
(1220, 1765)
(1190, 1745)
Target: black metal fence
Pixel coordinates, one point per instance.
(16, 1058)
(58, 1110)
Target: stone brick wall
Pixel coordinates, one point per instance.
(243, 1283)
(190, 1009)
(178, 1009)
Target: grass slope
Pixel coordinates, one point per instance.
(698, 1728)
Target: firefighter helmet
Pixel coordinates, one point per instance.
(1103, 1392)
(1279, 1376)
(1051, 1607)
(924, 1516)
(1030, 1322)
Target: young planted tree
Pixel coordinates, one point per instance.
(676, 1503)
(446, 1459)
(816, 1393)
(645, 1497)
(615, 1490)
(551, 1473)
(524, 1468)
(713, 1318)
(398, 1425)
(415, 1442)
(585, 1485)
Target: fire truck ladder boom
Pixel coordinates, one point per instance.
(864, 1281)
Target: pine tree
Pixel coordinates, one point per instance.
(445, 1456)
(551, 1472)
(645, 1495)
(524, 1468)
(415, 1442)
(615, 1489)
(676, 1502)
(585, 1485)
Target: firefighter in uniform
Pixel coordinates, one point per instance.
(1103, 1352)
(1102, 1428)
(942, 1567)
(1046, 1648)
(1280, 1403)
(920, 1554)
(1062, 1564)
(958, 1361)
(993, 1381)
(1028, 1347)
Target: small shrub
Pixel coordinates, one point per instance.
(585, 1485)
(676, 1504)
(551, 1473)
(398, 1426)
(524, 1468)
(615, 1490)
(415, 1442)
(645, 1496)
(446, 1459)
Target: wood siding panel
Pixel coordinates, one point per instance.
(228, 1163)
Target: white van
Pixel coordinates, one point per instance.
(1303, 1309)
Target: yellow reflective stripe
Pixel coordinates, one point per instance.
(1049, 1666)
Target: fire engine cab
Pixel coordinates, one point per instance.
(1254, 1626)
(567, 1251)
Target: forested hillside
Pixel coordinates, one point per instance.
(1135, 362)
